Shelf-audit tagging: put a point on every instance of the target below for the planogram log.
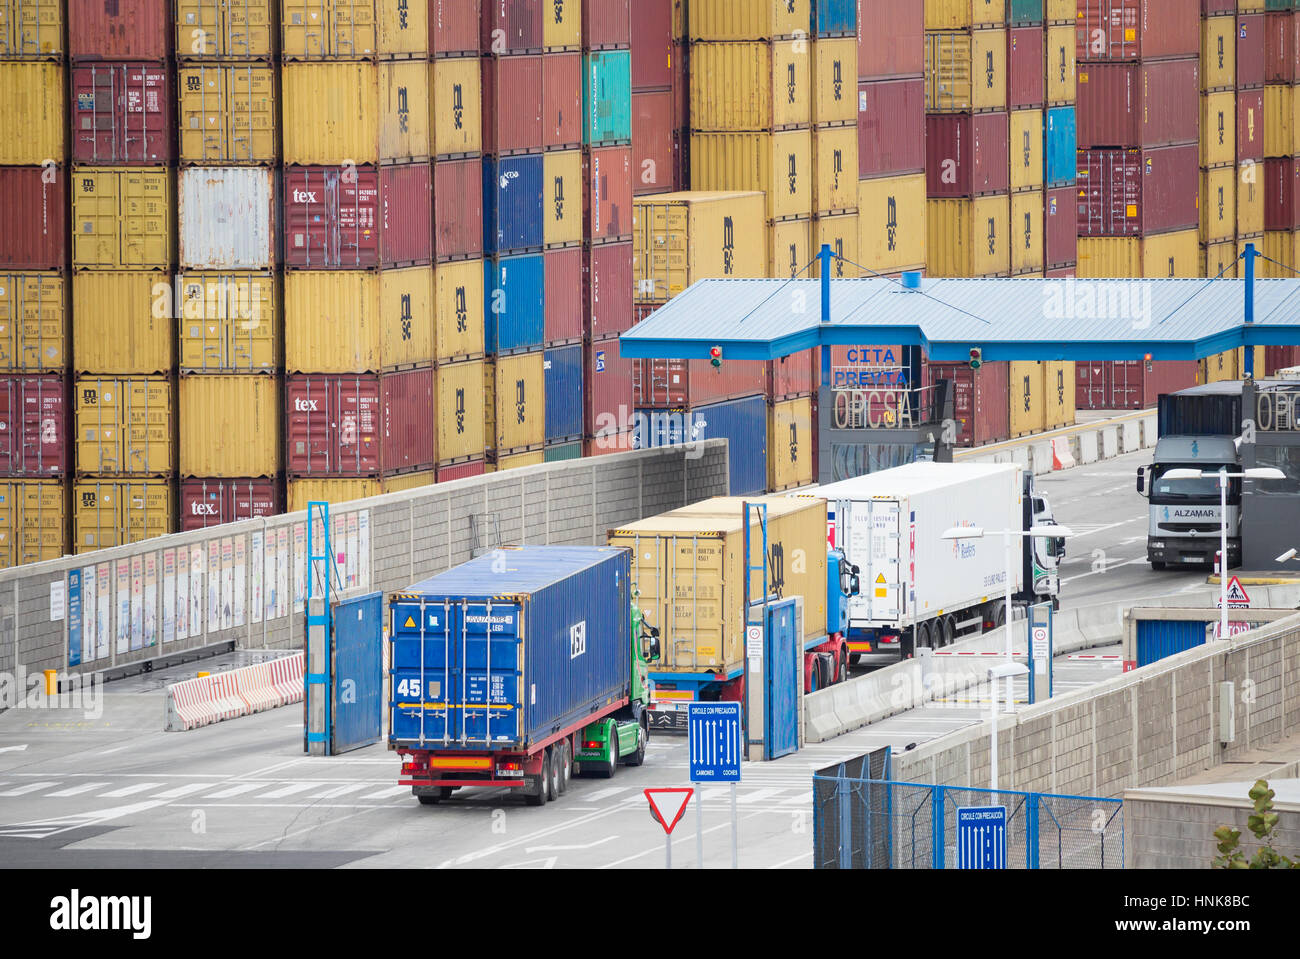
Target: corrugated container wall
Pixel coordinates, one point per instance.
(756, 20)
(229, 323)
(210, 29)
(33, 521)
(122, 322)
(891, 39)
(212, 501)
(514, 388)
(891, 127)
(750, 86)
(33, 427)
(892, 223)
(32, 29)
(458, 310)
(562, 376)
(790, 442)
(1138, 29)
(980, 399)
(1138, 104)
(227, 218)
(119, 30)
(122, 218)
(32, 103)
(361, 29)
(461, 413)
(967, 154)
(966, 71)
(457, 209)
(353, 112)
(679, 238)
(966, 238)
(515, 314)
(121, 113)
(228, 113)
(607, 97)
(116, 513)
(33, 204)
(125, 426)
(230, 426)
(454, 27)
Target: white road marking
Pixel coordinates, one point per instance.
(130, 790)
(1105, 569)
(803, 799)
(791, 862)
(29, 788)
(180, 791)
(237, 790)
(388, 793)
(758, 795)
(605, 793)
(590, 845)
(293, 788)
(339, 791)
(77, 790)
(13, 749)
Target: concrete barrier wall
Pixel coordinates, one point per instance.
(1089, 443)
(246, 582)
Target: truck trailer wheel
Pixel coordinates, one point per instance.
(432, 798)
(611, 766)
(565, 759)
(642, 737)
(539, 785)
(949, 630)
(553, 780)
(923, 635)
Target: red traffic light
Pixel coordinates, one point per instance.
(716, 352)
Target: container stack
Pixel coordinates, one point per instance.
(123, 254)
(1060, 228)
(835, 133)
(968, 138)
(660, 92)
(456, 129)
(1219, 140)
(358, 237)
(34, 356)
(226, 290)
(1026, 96)
(1281, 141)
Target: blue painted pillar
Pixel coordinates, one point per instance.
(826, 256)
(1250, 255)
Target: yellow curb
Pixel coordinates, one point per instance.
(1257, 581)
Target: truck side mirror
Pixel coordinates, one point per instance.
(1141, 483)
(653, 655)
(855, 586)
(1058, 546)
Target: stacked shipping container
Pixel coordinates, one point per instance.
(1281, 146)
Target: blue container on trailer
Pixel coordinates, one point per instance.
(607, 97)
(545, 628)
(1060, 162)
(562, 368)
(834, 17)
(514, 301)
(512, 203)
(743, 423)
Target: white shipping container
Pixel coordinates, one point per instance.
(227, 218)
(891, 524)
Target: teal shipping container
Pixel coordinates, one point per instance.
(1024, 12)
(563, 451)
(607, 97)
(1060, 160)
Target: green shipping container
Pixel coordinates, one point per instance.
(1271, 5)
(607, 97)
(565, 451)
(1024, 12)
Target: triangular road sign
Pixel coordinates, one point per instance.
(668, 806)
(1237, 593)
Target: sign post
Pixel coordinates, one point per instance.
(982, 837)
(714, 743)
(1041, 643)
(666, 808)
(1238, 598)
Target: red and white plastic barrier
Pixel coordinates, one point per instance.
(1062, 458)
(236, 692)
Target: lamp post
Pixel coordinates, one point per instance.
(1008, 535)
(1257, 472)
(1008, 671)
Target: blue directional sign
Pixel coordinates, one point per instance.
(714, 737)
(982, 837)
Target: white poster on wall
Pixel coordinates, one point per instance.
(299, 566)
(183, 592)
(227, 583)
(241, 580)
(197, 557)
(363, 548)
(89, 615)
(168, 596)
(284, 551)
(151, 599)
(214, 586)
(257, 563)
(104, 617)
(272, 587)
(58, 600)
(123, 580)
(353, 574)
(137, 602)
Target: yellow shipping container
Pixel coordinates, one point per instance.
(1028, 410)
(125, 426)
(121, 323)
(456, 106)
(778, 164)
(33, 322)
(300, 492)
(31, 28)
(835, 169)
(458, 310)
(840, 232)
(229, 322)
(1250, 198)
(1281, 121)
(514, 461)
(1282, 246)
(223, 28)
(1219, 259)
(404, 481)
(678, 238)
(562, 25)
(107, 513)
(354, 111)
(751, 86)
(1218, 128)
(1250, 6)
(946, 14)
(1057, 10)
(789, 247)
(835, 81)
(461, 411)
(1026, 150)
(1218, 204)
(122, 218)
(562, 198)
(966, 71)
(35, 112)
(688, 567)
(1229, 365)
(790, 438)
(1059, 394)
(33, 521)
(892, 223)
(227, 114)
(353, 29)
(752, 20)
(354, 321)
(1218, 52)
(968, 237)
(230, 426)
(1061, 66)
(514, 389)
(1163, 256)
(1026, 234)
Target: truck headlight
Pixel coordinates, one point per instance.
(1158, 544)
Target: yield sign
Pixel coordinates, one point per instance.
(668, 806)
(1237, 595)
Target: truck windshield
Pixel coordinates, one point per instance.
(1203, 490)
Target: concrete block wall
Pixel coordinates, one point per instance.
(1172, 834)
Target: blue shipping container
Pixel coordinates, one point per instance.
(607, 97)
(545, 628)
(514, 301)
(743, 423)
(832, 17)
(1060, 163)
(1157, 638)
(563, 377)
(512, 203)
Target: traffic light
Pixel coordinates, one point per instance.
(976, 358)
(715, 357)
(1147, 360)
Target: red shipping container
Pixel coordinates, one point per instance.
(1214, 8)
(512, 105)
(359, 218)
(1137, 29)
(121, 113)
(653, 44)
(891, 127)
(119, 30)
(33, 427)
(563, 295)
(211, 502)
(607, 443)
(797, 375)
(1060, 224)
(561, 101)
(981, 399)
(369, 424)
(33, 209)
(1026, 81)
(1281, 212)
(891, 39)
(1280, 358)
(1139, 104)
(686, 384)
(1061, 272)
(656, 144)
(454, 27)
(1281, 47)
(457, 209)
(1250, 124)
(607, 193)
(1138, 192)
(606, 290)
(966, 154)
(1250, 50)
(606, 391)
(510, 26)
(607, 24)
(1128, 384)
(456, 471)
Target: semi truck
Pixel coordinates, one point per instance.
(919, 589)
(520, 668)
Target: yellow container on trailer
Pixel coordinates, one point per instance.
(752, 20)
(947, 14)
(966, 71)
(790, 439)
(1026, 233)
(353, 29)
(514, 388)
(122, 218)
(967, 238)
(839, 231)
(789, 248)
(228, 114)
(358, 112)
(1028, 410)
(1218, 52)
(1218, 128)
(229, 323)
(688, 567)
(224, 28)
(455, 106)
(835, 81)
(125, 425)
(33, 322)
(115, 513)
(1059, 52)
(33, 521)
(122, 323)
(679, 238)
(892, 223)
(230, 426)
(778, 164)
(461, 411)
(35, 113)
(1218, 204)
(562, 198)
(835, 168)
(31, 28)
(751, 86)
(1026, 152)
(458, 310)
